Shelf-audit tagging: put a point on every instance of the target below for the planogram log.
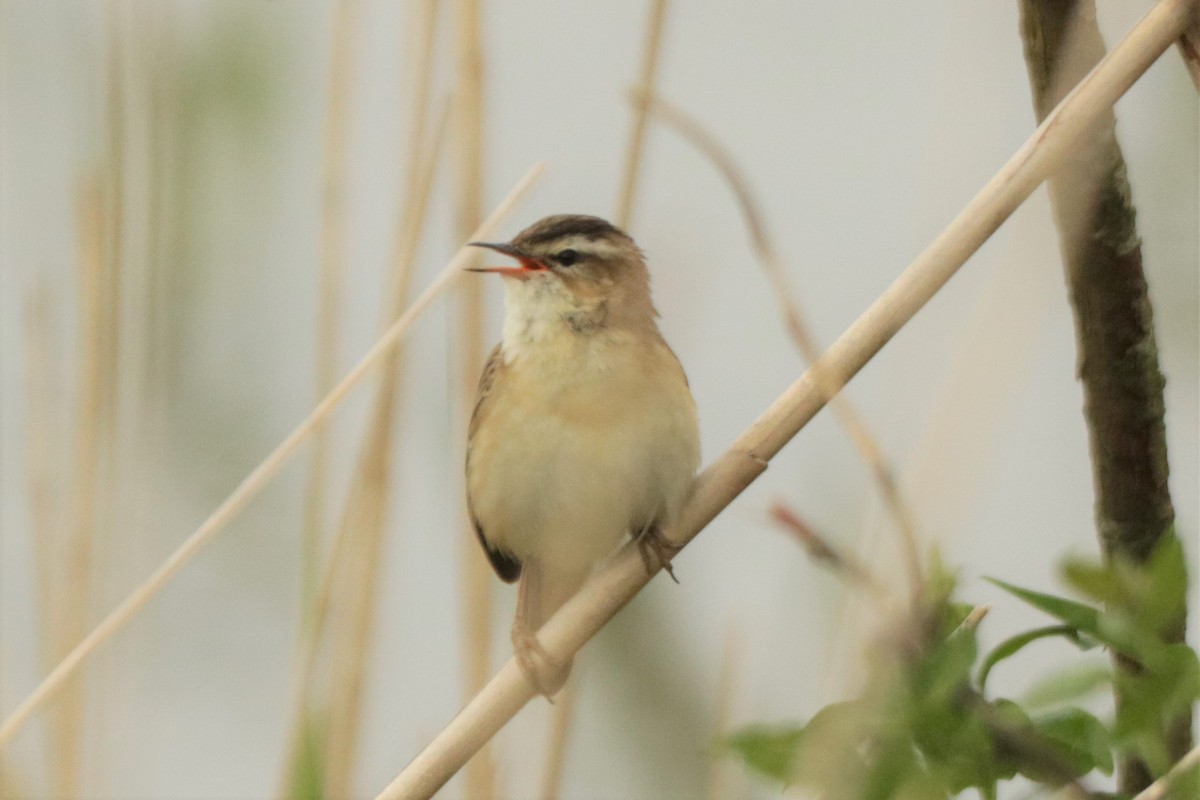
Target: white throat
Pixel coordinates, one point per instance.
(539, 310)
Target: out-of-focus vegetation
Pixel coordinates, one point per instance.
(925, 724)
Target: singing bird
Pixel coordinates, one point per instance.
(584, 428)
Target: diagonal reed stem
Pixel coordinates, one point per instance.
(717, 486)
(254, 483)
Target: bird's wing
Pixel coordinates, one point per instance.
(506, 566)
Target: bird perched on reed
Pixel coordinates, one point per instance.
(584, 427)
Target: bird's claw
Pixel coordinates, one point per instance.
(544, 671)
(657, 551)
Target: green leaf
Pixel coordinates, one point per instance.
(1068, 686)
(1165, 597)
(1100, 582)
(954, 615)
(768, 750)
(1013, 645)
(1161, 689)
(308, 770)
(1084, 740)
(1113, 632)
(945, 669)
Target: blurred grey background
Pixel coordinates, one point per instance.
(864, 127)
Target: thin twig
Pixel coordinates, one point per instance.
(651, 47)
(614, 586)
(777, 274)
(819, 549)
(254, 483)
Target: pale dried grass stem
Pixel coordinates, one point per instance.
(331, 278)
(651, 47)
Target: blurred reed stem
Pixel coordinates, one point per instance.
(331, 269)
(475, 576)
(42, 412)
(257, 479)
(348, 584)
(365, 516)
(76, 585)
(728, 680)
(647, 74)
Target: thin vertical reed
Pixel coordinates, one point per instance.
(728, 678)
(366, 509)
(76, 587)
(652, 45)
(331, 269)
(256, 480)
(476, 579)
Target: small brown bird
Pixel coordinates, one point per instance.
(584, 428)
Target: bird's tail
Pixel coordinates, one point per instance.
(543, 592)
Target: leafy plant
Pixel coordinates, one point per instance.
(925, 727)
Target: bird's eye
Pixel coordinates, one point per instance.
(566, 257)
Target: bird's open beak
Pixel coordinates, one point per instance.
(529, 264)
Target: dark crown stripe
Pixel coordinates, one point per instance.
(553, 228)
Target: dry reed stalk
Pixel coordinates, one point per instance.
(331, 271)
(41, 451)
(652, 46)
(258, 478)
(777, 273)
(718, 485)
(76, 586)
(1160, 788)
(476, 578)
(41, 412)
(718, 787)
(423, 167)
(112, 277)
(366, 508)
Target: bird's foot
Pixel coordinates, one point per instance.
(657, 551)
(544, 671)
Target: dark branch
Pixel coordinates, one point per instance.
(1118, 357)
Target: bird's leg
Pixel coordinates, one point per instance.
(657, 550)
(544, 671)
